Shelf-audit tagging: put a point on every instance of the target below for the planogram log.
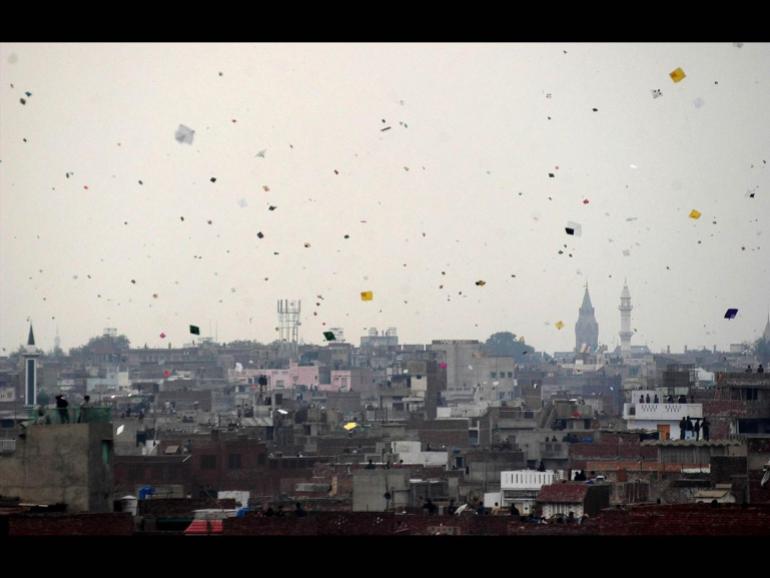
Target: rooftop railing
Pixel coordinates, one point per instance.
(92, 414)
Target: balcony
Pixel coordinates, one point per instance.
(554, 450)
(93, 414)
(7, 446)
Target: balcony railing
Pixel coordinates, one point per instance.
(7, 446)
(93, 414)
(662, 411)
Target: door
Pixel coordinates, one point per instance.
(664, 432)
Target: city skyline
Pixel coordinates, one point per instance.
(412, 171)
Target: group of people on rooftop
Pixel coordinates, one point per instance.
(691, 430)
(669, 399)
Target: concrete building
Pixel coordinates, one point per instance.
(521, 487)
(69, 463)
(459, 357)
(661, 417)
(111, 380)
(578, 498)
(388, 338)
(380, 490)
(412, 454)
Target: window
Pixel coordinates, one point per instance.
(261, 459)
(208, 462)
(234, 461)
(510, 374)
(493, 375)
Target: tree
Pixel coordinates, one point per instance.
(505, 344)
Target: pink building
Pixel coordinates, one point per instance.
(292, 378)
(340, 381)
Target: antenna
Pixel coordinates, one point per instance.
(288, 325)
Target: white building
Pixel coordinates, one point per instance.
(521, 487)
(114, 380)
(661, 417)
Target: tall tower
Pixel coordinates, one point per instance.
(31, 354)
(586, 328)
(766, 334)
(625, 321)
(56, 342)
(288, 324)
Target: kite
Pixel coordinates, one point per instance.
(677, 75)
(184, 134)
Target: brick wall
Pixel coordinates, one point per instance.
(724, 467)
(71, 525)
(180, 506)
(640, 520)
(371, 524)
(686, 520)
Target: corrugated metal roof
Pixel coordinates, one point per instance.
(711, 494)
(205, 527)
(563, 493)
(257, 422)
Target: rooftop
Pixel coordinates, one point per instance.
(565, 493)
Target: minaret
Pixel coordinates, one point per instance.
(31, 354)
(625, 321)
(586, 328)
(766, 334)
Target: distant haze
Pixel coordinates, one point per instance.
(458, 184)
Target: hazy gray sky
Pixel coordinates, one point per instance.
(459, 183)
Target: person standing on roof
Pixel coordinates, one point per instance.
(84, 409)
(61, 406)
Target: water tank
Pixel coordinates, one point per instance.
(128, 504)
